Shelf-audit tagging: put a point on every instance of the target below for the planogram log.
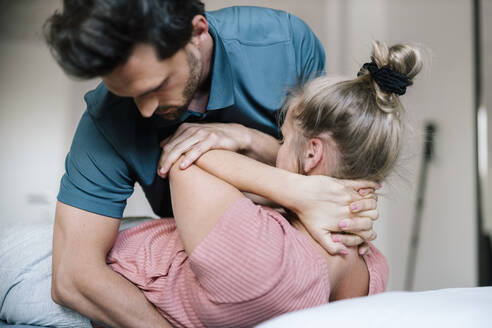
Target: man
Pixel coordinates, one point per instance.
(166, 66)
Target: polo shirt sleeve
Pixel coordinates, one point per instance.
(310, 55)
(96, 178)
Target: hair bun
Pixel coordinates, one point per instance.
(387, 79)
(402, 59)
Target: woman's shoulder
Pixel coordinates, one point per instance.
(378, 270)
(255, 249)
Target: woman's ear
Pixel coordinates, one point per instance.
(314, 154)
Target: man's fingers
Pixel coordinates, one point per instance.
(355, 225)
(170, 156)
(195, 152)
(347, 239)
(177, 140)
(362, 205)
(167, 146)
(165, 141)
(183, 132)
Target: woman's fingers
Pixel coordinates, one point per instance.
(361, 184)
(355, 225)
(348, 240)
(368, 194)
(361, 227)
(332, 247)
(364, 248)
(366, 204)
(367, 235)
(373, 214)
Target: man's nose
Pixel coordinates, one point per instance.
(147, 107)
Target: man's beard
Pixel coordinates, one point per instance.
(195, 67)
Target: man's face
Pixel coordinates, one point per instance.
(162, 87)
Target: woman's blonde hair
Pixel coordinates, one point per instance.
(364, 121)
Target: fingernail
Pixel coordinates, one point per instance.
(354, 206)
(336, 239)
(380, 186)
(363, 191)
(183, 164)
(162, 170)
(343, 224)
(343, 252)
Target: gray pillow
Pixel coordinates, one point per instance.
(25, 277)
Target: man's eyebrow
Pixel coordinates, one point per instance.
(153, 89)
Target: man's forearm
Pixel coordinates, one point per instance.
(251, 176)
(262, 147)
(107, 297)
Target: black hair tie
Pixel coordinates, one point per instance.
(387, 79)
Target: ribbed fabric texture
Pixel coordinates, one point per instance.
(251, 267)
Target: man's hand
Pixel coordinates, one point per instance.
(193, 140)
(337, 213)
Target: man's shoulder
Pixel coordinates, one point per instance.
(252, 25)
(115, 117)
(100, 102)
(117, 123)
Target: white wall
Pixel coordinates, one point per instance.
(443, 94)
(33, 97)
(39, 108)
(39, 111)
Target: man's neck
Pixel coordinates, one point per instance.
(207, 50)
(199, 102)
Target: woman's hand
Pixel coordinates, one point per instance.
(337, 213)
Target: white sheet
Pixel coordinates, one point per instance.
(445, 308)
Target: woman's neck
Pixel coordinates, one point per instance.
(348, 274)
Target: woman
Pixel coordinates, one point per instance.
(227, 262)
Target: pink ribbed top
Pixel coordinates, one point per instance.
(251, 267)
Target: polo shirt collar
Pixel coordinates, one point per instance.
(222, 85)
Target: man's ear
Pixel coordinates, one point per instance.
(313, 155)
(200, 29)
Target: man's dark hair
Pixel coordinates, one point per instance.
(92, 37)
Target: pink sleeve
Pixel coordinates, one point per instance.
(378, 270)
(242, 257)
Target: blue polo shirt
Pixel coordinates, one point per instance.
(259, 54)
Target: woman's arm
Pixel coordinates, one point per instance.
(259, 200)
(198, 199)
(320, 202)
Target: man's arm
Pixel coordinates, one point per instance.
(83, 282)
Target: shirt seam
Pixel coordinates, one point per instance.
(256, 44)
